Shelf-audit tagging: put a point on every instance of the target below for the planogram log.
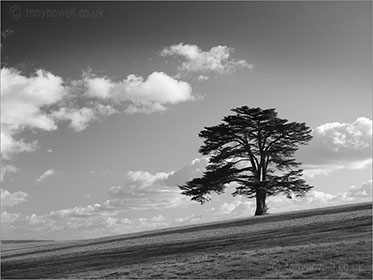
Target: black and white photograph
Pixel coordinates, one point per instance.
(186, 139)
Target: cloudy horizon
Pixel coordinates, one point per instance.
(100, 115)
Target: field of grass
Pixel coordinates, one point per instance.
(333, 242)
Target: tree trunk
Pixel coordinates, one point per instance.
(261, 207)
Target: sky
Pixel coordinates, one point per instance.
(102, 103)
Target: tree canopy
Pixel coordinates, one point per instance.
(254, 149)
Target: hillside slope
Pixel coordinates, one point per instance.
(321, 243)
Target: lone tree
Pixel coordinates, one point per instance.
(255, 149)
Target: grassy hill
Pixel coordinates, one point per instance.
(333, 242)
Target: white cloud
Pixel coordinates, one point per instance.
(10, 145)
(338, 146)
(364, 191)
(218, 59)
(42, 100)
(145, 179)
(154, 93)
(346, 137)
(227, 208)
(157, 87)
(190, 219)
(11, 199)
(203, 78)
(22, 100)
(47, 174)
(315, 199)
(7, 169)
(98, 86)
(143, 190)
(81, 211)
(137, 94)
(79, 118)
(102, 219)
(76, 223)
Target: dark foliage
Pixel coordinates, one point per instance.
(255, 149)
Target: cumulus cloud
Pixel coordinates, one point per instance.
(76, 223)
(134, 93)
(338, 145)
(80, 118)
(218, 59)
(341, 140)
(47, 174)
(83, 211)
(190, 219)
(102, 219)
(315, 199)
(42, 100)
(364, 191)
(10, 145)
(11, 199)
(203, 78)
(7, 169)
(141, 95)
(154, 93)
(145, 179)
(236, 207)
(22, 100)
(98, 86)
(143, 190)
(240, 206)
